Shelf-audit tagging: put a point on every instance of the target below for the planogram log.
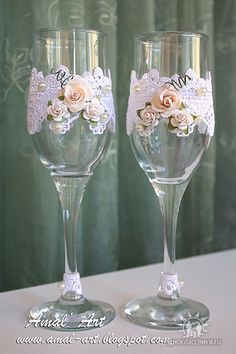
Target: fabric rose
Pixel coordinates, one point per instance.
(57, 109)
(148, 120)
(93, 110)
(76, 93)
(181, 119)
(166, 100)
(148, 116)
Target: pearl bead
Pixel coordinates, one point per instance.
(201, 91)
(41, 87)
(104, 117)
(107, 89)
(137, 88)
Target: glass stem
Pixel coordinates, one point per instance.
(170, 196)
(70, 190)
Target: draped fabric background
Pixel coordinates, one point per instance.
(120, 222)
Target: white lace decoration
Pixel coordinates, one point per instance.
(182, 102)
(47, 100)
(71, 282)
(169, 285)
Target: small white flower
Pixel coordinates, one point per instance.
(181, 119)
(144, 131)
(57, 127)
(57, 110)
(147, 121)
(93, 110)
(148, 116)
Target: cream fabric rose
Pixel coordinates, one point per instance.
(166, 100)
(57, 109)
(76, 93)
(93, 110)
(148, 116)
(181, 119)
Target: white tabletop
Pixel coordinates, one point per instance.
(209, 279)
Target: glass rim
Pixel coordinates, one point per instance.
(150, 36)
(68, 29)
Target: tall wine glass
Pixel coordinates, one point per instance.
(170, 121)
(71, 118)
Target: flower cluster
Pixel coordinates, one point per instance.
(76, 98)
(166, 104)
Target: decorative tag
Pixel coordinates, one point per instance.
(60, 98)
(181, 102)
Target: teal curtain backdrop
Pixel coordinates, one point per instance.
(120, 222)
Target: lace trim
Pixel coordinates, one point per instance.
(182, 102)
(61, 98)
(169, 285)
(71, 283)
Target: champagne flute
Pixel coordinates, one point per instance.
(170, 121)
(71, 118)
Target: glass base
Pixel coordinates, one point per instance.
(155, 312)
(76, 315)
